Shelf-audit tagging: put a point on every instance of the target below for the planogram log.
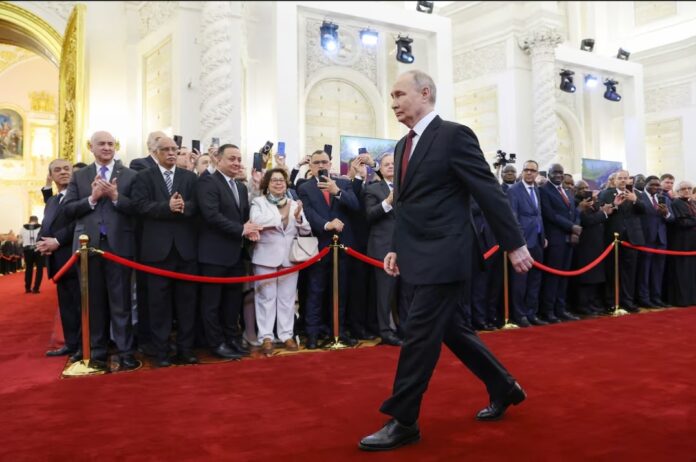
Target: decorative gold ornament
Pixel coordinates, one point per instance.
(42, 101)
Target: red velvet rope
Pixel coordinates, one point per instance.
(10, 258)
(489, 253)
(68, 264)
(576, 272)
(380, 264)
(659, 251)
(209, 279)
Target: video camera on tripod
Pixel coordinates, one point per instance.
(502, 158)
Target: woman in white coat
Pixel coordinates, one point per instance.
(282, 219)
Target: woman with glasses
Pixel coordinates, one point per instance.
(282, 219)
(682, 290)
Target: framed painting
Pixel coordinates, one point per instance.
(350, 145)
(11, 134)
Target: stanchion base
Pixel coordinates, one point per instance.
(618, 311)
(335, 345)
(84, 367)
(509, 325)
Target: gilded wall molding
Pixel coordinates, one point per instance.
(71, 105)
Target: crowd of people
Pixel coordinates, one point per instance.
(178, 210)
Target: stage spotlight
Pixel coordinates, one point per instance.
(403, 50)
(567, 81)
(587, 45)
(329, 36)
(623, 54)
(610, 93)
(369, 37)
(425, 7)
(591, 81)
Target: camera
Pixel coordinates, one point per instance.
(502, 158)
(323, 175)
(266, 148)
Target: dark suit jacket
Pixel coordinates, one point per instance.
(319, 213)
(56, 224)
(47, 193)
(142, 163)
(483, 231)
(381, 223)
(117, 218)
(559, 218)
(433, 236)
(654, 224)
(163, 229)
(528, 215)
(220, 234)
(625, 220)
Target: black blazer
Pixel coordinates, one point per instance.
(559, 218)
(381, 223)
(220, 234)
(434, 236)
(56, 224)
(142, 163)
(625, 220)
(163, 229)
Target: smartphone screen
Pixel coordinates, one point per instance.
(258, 161)
(327, 149)
(196, 145)
(362, 151)
(178, 139)
(323, 175)
(281, 148)
(215, 142)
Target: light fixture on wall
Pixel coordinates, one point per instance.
(329, 36)
(567, 81)
(425, 7)
(591, 81)
(623, 54)
(403, 50)
(369, 37)
(610, 92)
(587, 44)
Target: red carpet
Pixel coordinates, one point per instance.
(614, 389)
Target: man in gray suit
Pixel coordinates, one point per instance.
(98, 199)
(379, 200)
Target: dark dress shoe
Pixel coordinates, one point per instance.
(77, 356)
(311, 342)
(659, 303)
(533, 320)
(224, 351)
(346, 340)
(128, 362)
(237, 345)
(391, 339)
(162, 362)
(522, 322)
(62, 351)
(565, 316)
(496, 408)
(35, 291)
(186, 357)
(550, 318)
(391, 436)
(630, 307)
(644, 303)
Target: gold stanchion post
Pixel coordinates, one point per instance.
(506, 294)
(618, 311)
(336, 344)
(86, 366)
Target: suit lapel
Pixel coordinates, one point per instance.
(385, 188)
(424, 142)
(176, 183)
(398, 155)
(159, 181)
(530, 201)
(50, 215)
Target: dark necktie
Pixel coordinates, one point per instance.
(168, 181)
(102, 225)
(654, 201)
(534, 199)
(563, 195)
(407, 154)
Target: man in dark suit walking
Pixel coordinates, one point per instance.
(165, 199)
(224, 206)
(98, 198)
(56, 244)
(438, 165)
(379, 207)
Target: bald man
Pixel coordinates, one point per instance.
(98, 199)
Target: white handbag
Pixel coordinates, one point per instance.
(303, 248)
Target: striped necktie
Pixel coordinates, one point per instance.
(168, 180)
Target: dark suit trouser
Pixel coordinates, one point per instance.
(221, 304)
(69, 305)
(110, 302)
(487, 290)
(32, 259)
(651, 268)
(168, 296)
(554, 288)
(434, 318)
(386, 295)
(319, 280)
(526, 288)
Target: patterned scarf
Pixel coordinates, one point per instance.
(278, 201)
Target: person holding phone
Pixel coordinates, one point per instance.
(327, 203)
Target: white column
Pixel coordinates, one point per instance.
(220, 81)
(540, 44)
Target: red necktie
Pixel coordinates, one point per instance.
(407, 154)
(563, 195)
(327, 196)
(654, 201)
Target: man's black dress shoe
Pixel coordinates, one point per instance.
(565, 316)
(659, 303)
(35, 291)
(550, 318)
(346, 340)
(128, 362)
(522, 322)
(496, 408)
(62, 351)
(644, 303)
(311, 342)
(224, 351)
(186, 357)
(533, 320)
(237, 345)
(391, 436)
(148, 349)
(391, 339)
(162, 362)
(630, 307)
